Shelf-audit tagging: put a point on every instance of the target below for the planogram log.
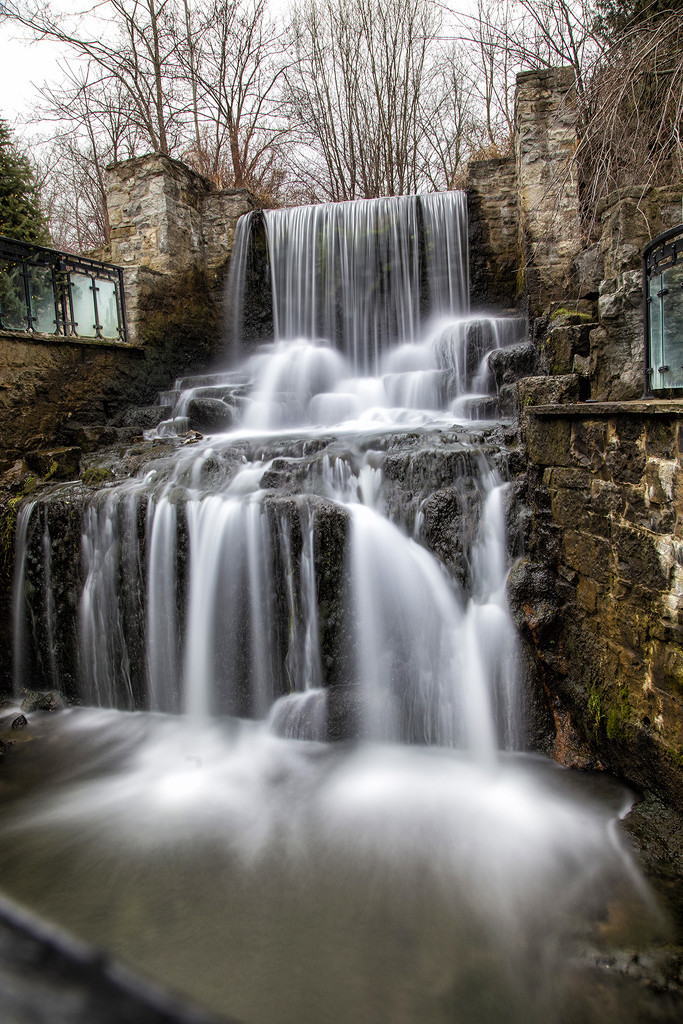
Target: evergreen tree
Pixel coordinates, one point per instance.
(20, 214)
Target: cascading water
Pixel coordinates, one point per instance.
(332, 564)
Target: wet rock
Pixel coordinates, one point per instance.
(533, 600)
(36, 701)
(56, 464)
(331, 527)
(507, 401)
(210, 415)
(512, 363)
(347, 709)
(20, 722)
(443, 532)
(145, 417)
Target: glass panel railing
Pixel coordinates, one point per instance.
(42, 300)
(672, 325)
(13, 311)
(45, 291)
(655, 304)
(107, 308)
(83, 305)
(663, 285)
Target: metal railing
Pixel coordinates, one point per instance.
(663, 311)
(44, 291)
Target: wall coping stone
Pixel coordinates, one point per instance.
(599, 410)
(60, 339)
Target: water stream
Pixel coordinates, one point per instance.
(330, 564)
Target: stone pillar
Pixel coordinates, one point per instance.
(493, 231)
(549, 226)
(169, 225)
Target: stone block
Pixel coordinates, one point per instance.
(554, 390)
(638, 561)
(562, 344)
(625, 455)
(589, 444)
(548, 441)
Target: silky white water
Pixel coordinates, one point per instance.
(329, 564)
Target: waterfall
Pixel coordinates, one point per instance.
(362, 275)
(244, 574)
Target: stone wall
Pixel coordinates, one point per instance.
(629, 220)
(45, 381)
(172, 231)
(548, 197)
(169, 225)
(599, 594)
(493, 232)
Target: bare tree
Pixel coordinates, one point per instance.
(360, 91)
(134, 52)
(454, 128)
(235, 58)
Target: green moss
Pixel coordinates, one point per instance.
(8, 521)
(97, 475)
(677, 757)
(613, 711)
(595, 709)
(584, 318)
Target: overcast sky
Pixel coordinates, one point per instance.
(23, 66)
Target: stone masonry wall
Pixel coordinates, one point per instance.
(172, 231)
(629, 220)
(169, 225)
(549, 226)
(493, 232)
(599, 594)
